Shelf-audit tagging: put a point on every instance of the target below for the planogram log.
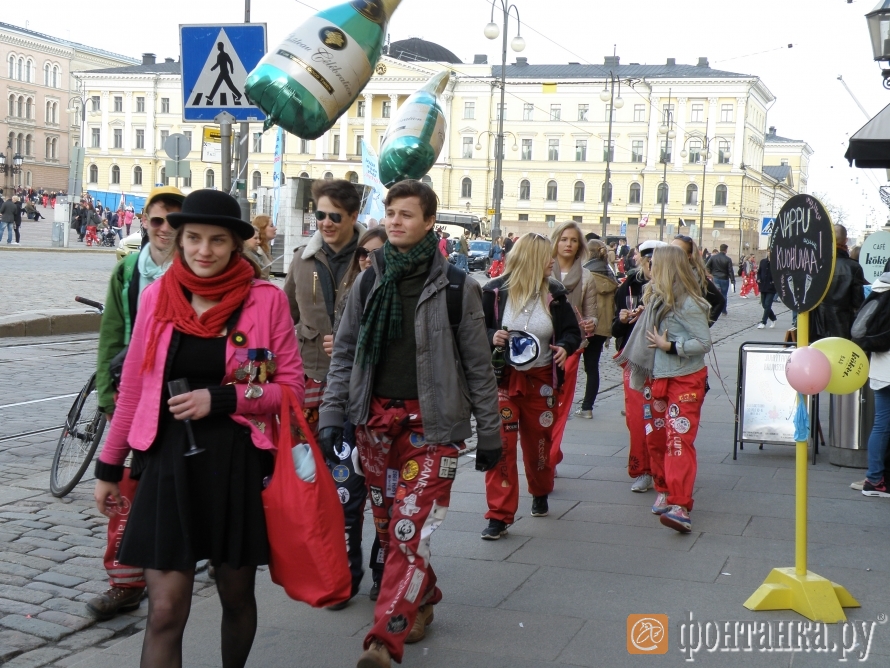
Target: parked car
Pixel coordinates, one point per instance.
(478, 259)
(129, 244)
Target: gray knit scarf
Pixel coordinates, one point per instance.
(636, 351)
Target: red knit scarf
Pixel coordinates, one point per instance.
(229, 288)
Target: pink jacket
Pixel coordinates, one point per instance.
(265, 322)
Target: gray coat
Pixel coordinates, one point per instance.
(7, 211)
(454, 376)
(687, 326)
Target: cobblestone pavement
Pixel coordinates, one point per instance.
(51, 549)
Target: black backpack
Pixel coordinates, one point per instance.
(871, 329)
(454, 294)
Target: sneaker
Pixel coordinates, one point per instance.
(117, 599)
(772, 324)
(586, 414)
(494, 530)
(376, 576)
(376, 656)
(661, 504)
(677, 518)
(424, 618)
(761, 326)
(743, 296)
(539, 506)
(858, 485)
(16, 243)
(643, 483)
(879, 489)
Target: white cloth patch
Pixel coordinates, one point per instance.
(681, 425)
(414, 586)
(546, 419)
(649, 429)
(392, 481)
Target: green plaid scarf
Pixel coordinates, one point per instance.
(382, 319)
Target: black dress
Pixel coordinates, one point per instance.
(205, 506)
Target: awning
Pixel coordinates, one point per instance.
(870, 146)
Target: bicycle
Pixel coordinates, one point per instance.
(81, 435)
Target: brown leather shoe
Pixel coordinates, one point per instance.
(115, 600)
(424, 618)
(376, 656)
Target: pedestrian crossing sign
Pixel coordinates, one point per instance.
(216, 60)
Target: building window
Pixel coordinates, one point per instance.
(526, 149)
(337, 144)
(164, 180)
(503, 147)
(726, 113)
(94, 174)
(20, 107)
(552, 191)
(610, 113)
(723, 152)
(528, 111)
(523, 217)
(555, 112)
(49, 113)
(118, 103)
(691, 194)
(140, 105)
(666, 148)
(664, 192)
(304, 146)
(188, 136)
(137, 176)
(360, 109)
(603, 192)
(609, 151)
(635, 195)
(20, 144)
(698, 113)
(209, 179)
(257, 142)
(499, 110)
(426, 180)
(720, 195)
(256, 180)
(49, 148)
(328, 176)
(667, 114)
(57, 80)
(187, 180)
(719, 224)
(583, 110)
(165, 105)
(359, 139)
(467, 147)
(553, 149)
(118, 138)
(639, 113)
(633, 221)
(11, 70)
(636, 150)
(579, 192)
(115, 175)
(580, 150)
(21, 70)
(469, 110)
(28, 145)
(164, 135)
(47, 77)
(525, 189)
(387, 109)
(497, 192)
(694, 151)
(96, 101)
(466, 187)
(95, 136)
(550, 219)
(140, 139)
(29, 104)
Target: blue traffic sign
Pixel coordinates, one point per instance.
(216, 60)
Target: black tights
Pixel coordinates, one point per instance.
(592, 368)
(169, 602)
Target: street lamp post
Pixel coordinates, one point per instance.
(75, 181)
(705, 155)
(15, 167)
(517, 44)
(608, 95)
(667, 130)
(498, 190)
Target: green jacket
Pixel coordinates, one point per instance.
(117, 325)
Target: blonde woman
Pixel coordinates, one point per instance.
(666, 354)
(604, 285)
(570, 253)
(528, 313)
(708, 290)
(267, 232)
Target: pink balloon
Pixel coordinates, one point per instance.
(808, 370)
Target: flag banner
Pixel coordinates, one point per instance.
(373, 211)
(276, 175)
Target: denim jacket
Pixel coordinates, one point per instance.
(687, 326)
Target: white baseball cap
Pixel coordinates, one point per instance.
(648, 247)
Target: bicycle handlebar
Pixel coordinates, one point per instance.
(90, 302)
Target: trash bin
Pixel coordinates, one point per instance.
(850, 420)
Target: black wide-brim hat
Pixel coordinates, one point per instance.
(212, 207)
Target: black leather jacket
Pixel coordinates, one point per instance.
(835, 315)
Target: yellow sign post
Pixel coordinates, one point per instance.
(802, 256)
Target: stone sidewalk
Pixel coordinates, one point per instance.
(558, 590)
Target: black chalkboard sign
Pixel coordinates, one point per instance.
(801, 253)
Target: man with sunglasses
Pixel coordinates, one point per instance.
(128, 280)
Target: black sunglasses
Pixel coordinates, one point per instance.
(362, 252)
(334, 217)
(156, 222)
(684, 239)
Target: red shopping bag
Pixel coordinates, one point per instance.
(304, 520)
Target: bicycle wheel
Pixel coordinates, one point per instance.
(80, 437)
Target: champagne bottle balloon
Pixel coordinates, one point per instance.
(311, 78)
(416, 134)
(499, 361)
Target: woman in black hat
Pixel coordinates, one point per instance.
(201, 452)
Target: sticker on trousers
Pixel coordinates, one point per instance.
(681, 425)
(340, 473)
(546, 419)
(392, 479)
(647, 412)
(343, 493)
(405, 530)
(447, 468)
(546, 391)
(659, 406)
(396, 624)
(408, 506)
(414, 586)
(649, 429)
(376, 496)
(343, 451)
(416, 439)
(674, 411)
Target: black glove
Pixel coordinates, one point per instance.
(488, 459)
(328, 439)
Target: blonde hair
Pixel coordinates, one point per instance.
(596, 250)
(672, 279)
(696, 261)
(525, 277)
(261, 222)
(559, 231)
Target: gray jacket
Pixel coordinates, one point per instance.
(687, 325)
(7, 211)
(454, 377)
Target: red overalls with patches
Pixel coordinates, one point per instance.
(645, 419)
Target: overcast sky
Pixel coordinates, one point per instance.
(830, 38)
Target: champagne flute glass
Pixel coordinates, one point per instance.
(175, 388)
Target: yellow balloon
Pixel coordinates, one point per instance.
(849, 365)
